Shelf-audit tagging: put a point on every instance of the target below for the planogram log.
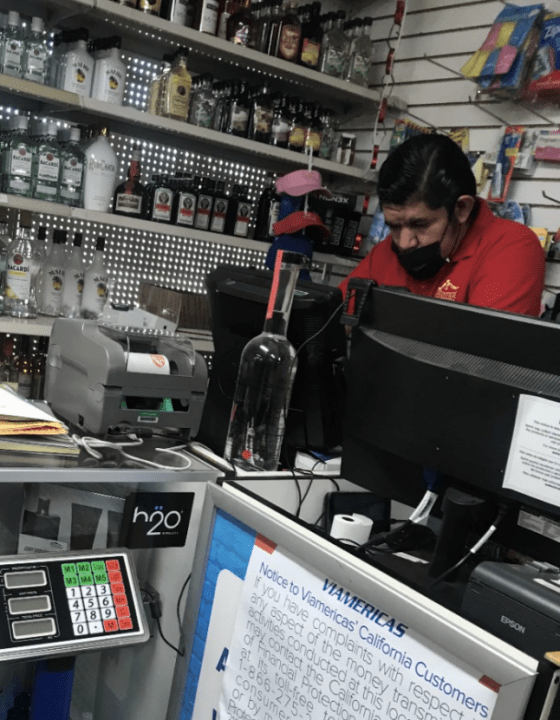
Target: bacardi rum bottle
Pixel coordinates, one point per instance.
(19, 296)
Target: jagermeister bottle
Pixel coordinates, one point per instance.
(264, 383)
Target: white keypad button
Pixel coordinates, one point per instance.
(105, 602)
(95, 627)
(80, 628)
(93, 615)
(78, 617)
(73, 592)
(77, 604)
(108, 613)
(91, 603)
(103, 590)
(88, 591)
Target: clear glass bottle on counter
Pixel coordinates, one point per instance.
(265, 379)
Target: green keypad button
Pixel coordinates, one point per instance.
(98, 566)
(100, 578)
(68, 569)
(85, 578)
(84, 567)
(70, 580)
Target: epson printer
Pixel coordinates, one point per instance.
(101, 376)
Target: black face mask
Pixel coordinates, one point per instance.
(421, 262)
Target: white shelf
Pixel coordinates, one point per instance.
(20, 326)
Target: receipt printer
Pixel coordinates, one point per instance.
(518, 603)
(101, 376)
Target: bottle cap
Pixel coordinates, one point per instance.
(13, 18)
(37, 25)
(19, 122)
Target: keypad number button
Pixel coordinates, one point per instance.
(80, 628)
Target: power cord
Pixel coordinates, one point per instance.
(152, 596)
(90, 445)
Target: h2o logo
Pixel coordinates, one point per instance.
(164, 523)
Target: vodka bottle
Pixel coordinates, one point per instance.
(73, 167)
(264, 383)
(362, 55)
(101, 173)
(36, 55)
(12, 47)
(50, 280)
(19, 296)
(46, 166)
(17, 155)
(96, 284)
(73, 281)
(109, 77)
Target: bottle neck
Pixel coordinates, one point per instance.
(281, 295)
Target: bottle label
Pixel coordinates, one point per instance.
(359, 70)
(79, 78)
(310, 51)
(73, 289)
(219, 215)
(72, 172)
(242, 36)
(186, 208)
(179, 92)
(203, 210)
(162, 204)
(280, 130)
(55, 283)
(313, 140)
(262, 120)
(128, 203)
(334, 62)
(36, 64)
(12, 57)
(296, 137)
(203, 113)
(150, 6)
(112, 86)
(19, 160)
(209, 17)
(48, 167)
(241, 227)
(239, 119)
(273, 217)
(327, 142)
(95, 294)
(179, 12)
(18, 277)
(222, 25)
(288, 44)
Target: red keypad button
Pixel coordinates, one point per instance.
(120, 600)
(123, 611)
(113, 565)
(117, 588)
(110, 625)
(125, 624)
(115, 577)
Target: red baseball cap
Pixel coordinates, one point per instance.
(298, 220)
(301, 182)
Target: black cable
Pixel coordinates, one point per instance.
(166, 641)
(181, 633)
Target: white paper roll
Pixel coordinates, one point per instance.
(146, 363)
(353, 529)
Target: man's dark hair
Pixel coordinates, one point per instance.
(426, 168)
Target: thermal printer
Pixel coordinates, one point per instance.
(101, 376)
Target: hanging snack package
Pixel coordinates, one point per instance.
(508, 42)
(544, 81)
(505, 163)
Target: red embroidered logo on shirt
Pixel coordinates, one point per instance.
(447, 291)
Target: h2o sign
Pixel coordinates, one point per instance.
(156, 519)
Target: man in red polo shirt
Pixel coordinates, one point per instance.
(444, 241)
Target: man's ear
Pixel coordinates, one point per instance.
(463, 207)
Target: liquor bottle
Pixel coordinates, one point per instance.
(281, 120)
(261, 115)
(131, 197)
(77, 74)
(126, 3)
(242, 26)
(36, 54)
(311, 38)
(96, 284)
(206, 18)
(47, 161)
(336, 48)
(17, 156)
(220, 207)
(176, 88)
(50, 280)
(160, 207)
(203, 103)
(8, 368)
(268, 209)
(265, 379)
(239, 107)
(276, 15)
(362, 55)
(109, 76)
(180, 12)
(12, 46)
(5, 241)
(101, 173)
(328, 135)
(53, 60)
(154, 92)
(73, 167)
(24, 367)
(239, 212)
(314, 129)
(39, 253)
(185, 203)
(298, 127)
(74, 271)
(204, 205)
(19, 297)
(263, 24)
(39, 366)
(150, 7)
(289, 34)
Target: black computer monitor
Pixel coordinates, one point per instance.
(238, 298)
(432, 383)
